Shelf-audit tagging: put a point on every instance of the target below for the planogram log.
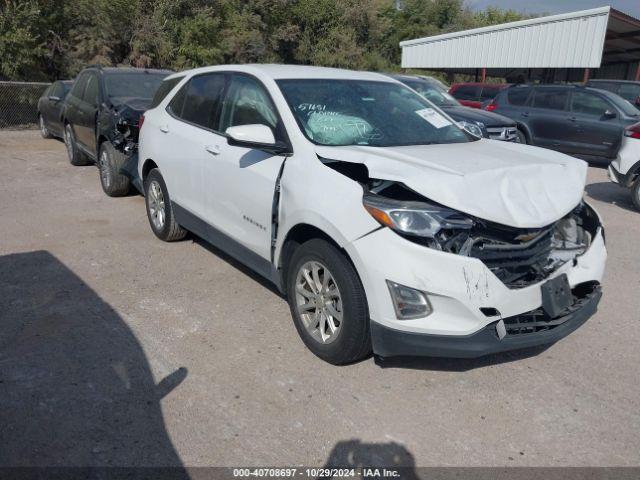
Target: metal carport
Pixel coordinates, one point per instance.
(600, 42)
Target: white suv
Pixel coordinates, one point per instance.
(387, 226)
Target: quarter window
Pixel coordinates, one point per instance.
(200, 100)
(165, 87)
(588, 104)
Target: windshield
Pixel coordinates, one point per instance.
(138, 85)
(432, 93)
(626, 107)
(358, 112)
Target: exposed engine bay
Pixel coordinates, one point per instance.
(124, 135)
(518, 257)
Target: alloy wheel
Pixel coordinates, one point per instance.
(43, 128)
(156, 205)
(318, 302)
(105, 171)
(68, 141)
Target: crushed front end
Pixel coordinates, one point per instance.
(488, 287)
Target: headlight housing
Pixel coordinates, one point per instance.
(474, 128)
(419, 219)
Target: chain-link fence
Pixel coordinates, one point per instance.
(19, 104)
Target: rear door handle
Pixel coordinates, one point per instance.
(212, 149)
(164, 128)
(573, 119)
(525, 114)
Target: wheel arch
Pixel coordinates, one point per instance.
(147, 166)
(296, 236)
(525, 129)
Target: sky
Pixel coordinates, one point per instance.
(631, 7)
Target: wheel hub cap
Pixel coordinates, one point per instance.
(156, 205)
(105, 172)
(318, 302)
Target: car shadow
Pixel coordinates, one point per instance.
(236, 264)
(459, 364)
(355, 454)
(609, 192)
(76, 386)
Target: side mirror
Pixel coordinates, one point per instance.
(610, 114)
(256, 136)
(637, 102)
(53, 98)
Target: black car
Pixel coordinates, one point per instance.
(572, 119)
(627, 89)
(101, 116)
(478, 122)
(50, 108)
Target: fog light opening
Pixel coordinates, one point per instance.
(408, 302)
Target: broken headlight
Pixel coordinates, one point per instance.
(420, 219)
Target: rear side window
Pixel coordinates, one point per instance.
(198, 101)
(518, 96)
(588, 104)
(164, 89)
(551, 98)
(466, 92)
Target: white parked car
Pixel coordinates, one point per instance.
(387, 226)
(625, 169)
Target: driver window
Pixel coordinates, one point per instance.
(92, 91)
(248, 103)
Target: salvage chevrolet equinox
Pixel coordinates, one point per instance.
(388, 227)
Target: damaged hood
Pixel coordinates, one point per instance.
(132, 105)
(507, 183)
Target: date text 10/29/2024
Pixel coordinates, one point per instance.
(316, 472)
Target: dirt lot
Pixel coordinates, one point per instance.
(116, 348)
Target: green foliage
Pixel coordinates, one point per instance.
(56, 38)
(21, 51)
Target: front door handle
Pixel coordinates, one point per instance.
(164, 128)
(573, 119)
(525, 114)
(212, 149)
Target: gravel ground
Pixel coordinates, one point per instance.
(119, 349)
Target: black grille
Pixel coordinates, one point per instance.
(538, 321)
(517, 264)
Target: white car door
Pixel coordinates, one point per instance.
(186, 138)
(240, 182)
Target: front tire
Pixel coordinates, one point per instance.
(522, 138)
(635, 194)
(159, 210)
(44, 131)
(110, 160)
(76, 157)
(328, 303)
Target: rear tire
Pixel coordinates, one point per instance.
(159, 210)
(76, 157)
(110, 160)
(44, 131)
(328, 303)
(522, 138)
(635, 194)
